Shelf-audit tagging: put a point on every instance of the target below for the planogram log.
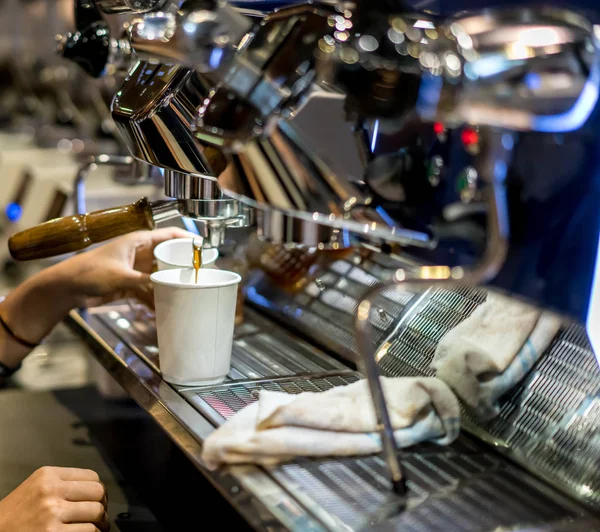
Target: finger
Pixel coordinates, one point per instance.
(153, 238)
(80, 527)
(169, 233)
(84, 512)
(83, 490)
(74, 473)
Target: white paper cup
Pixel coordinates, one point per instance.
(194, 323)
(178, 253)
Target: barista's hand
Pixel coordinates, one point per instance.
(116, 270)
(56, 499)
(119, 269)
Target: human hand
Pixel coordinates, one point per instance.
(119, 269)
(56, 499)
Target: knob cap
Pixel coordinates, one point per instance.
(88, 48)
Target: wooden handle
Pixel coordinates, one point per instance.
(74, 233)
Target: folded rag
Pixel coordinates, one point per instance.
(340, 421)
(487, 354)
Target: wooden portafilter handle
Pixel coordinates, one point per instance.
(74, 233)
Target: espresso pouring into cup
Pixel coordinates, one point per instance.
(197, 255)
(179, 253)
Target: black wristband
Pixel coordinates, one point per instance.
(12, 334)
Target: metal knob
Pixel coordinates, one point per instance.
(89, 46)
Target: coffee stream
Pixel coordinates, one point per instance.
(197, 260)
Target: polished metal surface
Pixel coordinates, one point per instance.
(129, 6)
(201, 199)
(457, 199)
(271, 72)
(557, 400)
(214, 225)
(256, 496)
(190, 187)
(219, 403)
(551, 420)
(465, 486)
(164, 210)
(458, 488)
(469, 69)
(279, 228)
(440, 54)
(324, 308)
(556, 45)
(409, 350)
(256, 353)
(154, 111)
(215, 216)
(494, 71)
(283, 176)
(224, 209)
(421, 278)
(548, 422)
(203, 38)
(498, 71)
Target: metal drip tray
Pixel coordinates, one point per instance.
(460, 487)
(457, 488)
(552, 420)
(256, 353)
(219, 403)
(410, 349)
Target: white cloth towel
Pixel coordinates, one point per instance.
(338, 422)
(487, 354)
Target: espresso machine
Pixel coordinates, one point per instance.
(397, 162)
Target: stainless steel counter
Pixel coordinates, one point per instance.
(466, 486)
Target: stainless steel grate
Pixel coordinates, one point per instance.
(551, 421)
(221, 402)
(256, 353)
(460, 488)
(411, 348)
(553, 418)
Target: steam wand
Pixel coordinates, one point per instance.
(494, 151)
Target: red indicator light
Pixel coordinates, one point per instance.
(438, 128)
(469, 137)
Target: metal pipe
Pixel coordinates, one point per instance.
(89, 166)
